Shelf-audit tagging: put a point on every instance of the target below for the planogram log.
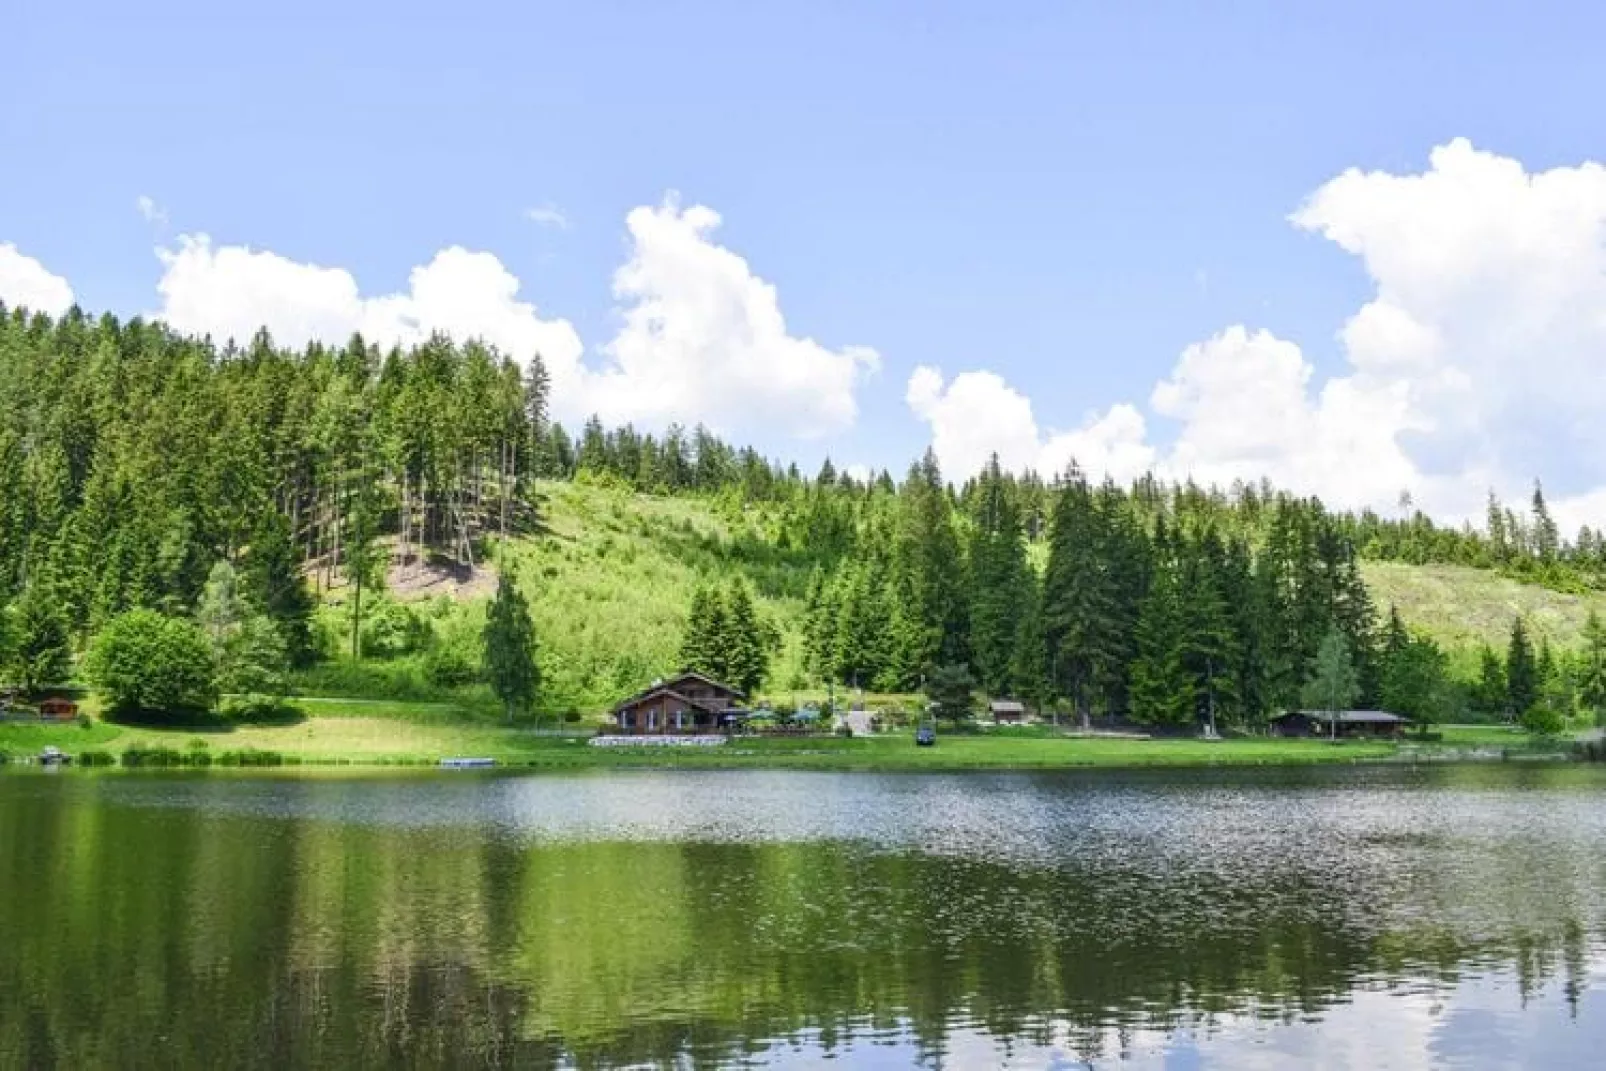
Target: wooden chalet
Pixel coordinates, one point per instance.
(689, 703)
(1008, 711)
(1349, 723)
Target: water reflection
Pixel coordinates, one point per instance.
(1354, 918)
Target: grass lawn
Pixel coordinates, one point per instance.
(345, 733)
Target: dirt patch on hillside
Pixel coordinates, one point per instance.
(426, 579)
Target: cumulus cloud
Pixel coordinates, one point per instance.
(979, 414)
(702, 336)
(1478, 362)
(26, 283)
(704, 339)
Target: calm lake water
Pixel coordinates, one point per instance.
(1341, 918)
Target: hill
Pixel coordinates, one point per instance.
(1465, 607)
(611, 573)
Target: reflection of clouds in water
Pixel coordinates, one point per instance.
(1480, 1023)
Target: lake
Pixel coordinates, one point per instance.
(1343, 917)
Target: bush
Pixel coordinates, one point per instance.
(261, 709)
(96, 758)
(390, 630)
(250, 757)
(153, 756)
(453, 661)
(1543, 719)
(148, 665)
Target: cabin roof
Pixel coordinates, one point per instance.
(1007, 706)
(670, 688)
(1347, 717)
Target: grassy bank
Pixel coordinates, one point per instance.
(352, 733)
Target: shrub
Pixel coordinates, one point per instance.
(260, 709)
(152, 756)
(1543, 719)
(96, 758)
(250, 757)
(390, 630)
(454, 660)
(148, 665)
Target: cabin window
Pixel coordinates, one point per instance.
(652, 720)
(678, 722)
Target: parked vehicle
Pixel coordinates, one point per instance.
(926, 734)
(54, 756)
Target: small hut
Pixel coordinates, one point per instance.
(1008, 711)
(1374, 723)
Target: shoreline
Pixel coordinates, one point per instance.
(378, 742)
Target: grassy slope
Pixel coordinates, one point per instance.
(1462, 607)
(611, 581)
(613, 575)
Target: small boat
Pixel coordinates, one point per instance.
(466, 764)
(54, 756)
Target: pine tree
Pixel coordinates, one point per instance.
(221, 610)
(997, 578)
(510, 650)
(1162, 688)
(1490, 693)
(272, 584)
(1522, 672)
(746, 657)
(1592, 667)
(1333, 684)
(1078, 600)
(40, 650)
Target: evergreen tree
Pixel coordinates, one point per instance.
(1491, 693)
(41, 653)
(272, 584)
(510, 650)
(1078, 598)
(1333, 684)
(998, 578)
(1162, 688)
(746, 653)
(221, 610)
(951, 691)
(1592, 668)
(1522, 672)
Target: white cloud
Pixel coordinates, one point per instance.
(1480, 360)
(978, 414)
(150, 210)
(547, 215)
(29, 284)
(704, 339)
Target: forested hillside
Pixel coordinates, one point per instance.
(140, 470)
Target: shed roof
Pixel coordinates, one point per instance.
(1347, 717)
(1007, 706)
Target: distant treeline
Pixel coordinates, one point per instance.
(133, 459)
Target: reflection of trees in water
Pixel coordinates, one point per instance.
(145, 935)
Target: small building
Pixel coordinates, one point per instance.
(689, 703)
(1350, 723)
(58, 709)
(1008, 711)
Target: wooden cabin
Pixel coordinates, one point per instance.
(1008, 711)
(689, 703)
(58, 710)
(1375, 723)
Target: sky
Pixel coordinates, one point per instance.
(1358, 248)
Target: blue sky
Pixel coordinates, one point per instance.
(1066, 196)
